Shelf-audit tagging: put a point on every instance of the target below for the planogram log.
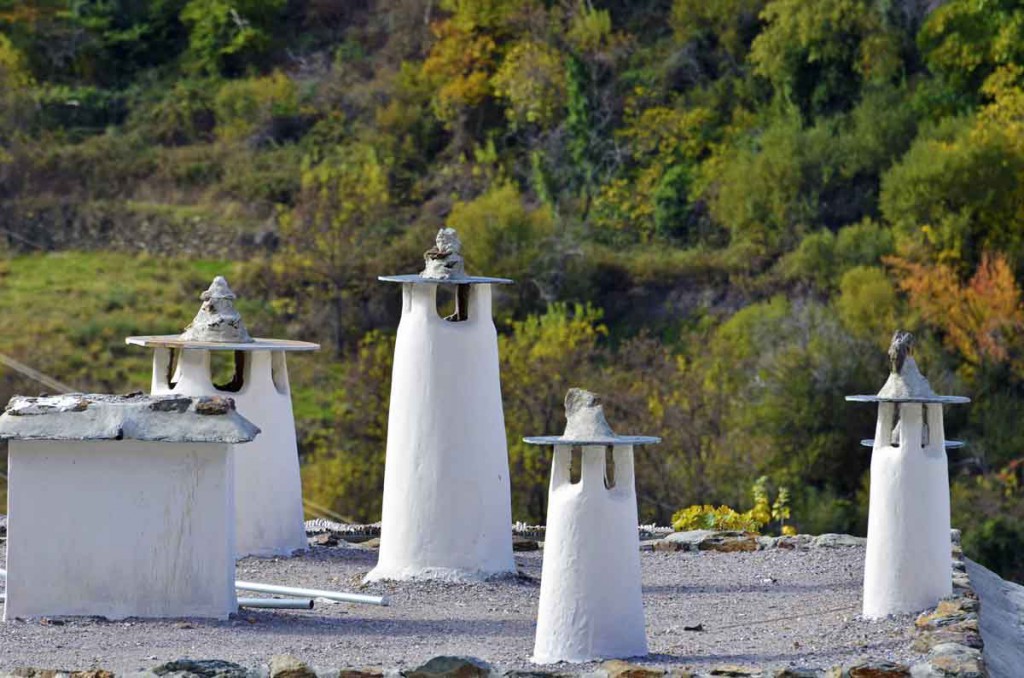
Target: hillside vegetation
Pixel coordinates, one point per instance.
(716, 212)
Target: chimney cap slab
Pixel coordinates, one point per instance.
(94, 416)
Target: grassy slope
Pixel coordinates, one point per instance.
(67, 314)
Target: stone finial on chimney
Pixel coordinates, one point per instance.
(217, 320)
(584, 415)
(444, 259)
(905, 380)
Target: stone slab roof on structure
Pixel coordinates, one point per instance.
(90, 416)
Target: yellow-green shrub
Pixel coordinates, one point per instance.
(764, 511)
(244, 107)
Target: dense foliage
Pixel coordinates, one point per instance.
(716, 212)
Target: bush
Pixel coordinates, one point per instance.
(225, 36)
(79, 111)
(707, 517)
(868, 305)
(249, 107)
(182, 114)
(500, 234)
(957, 192)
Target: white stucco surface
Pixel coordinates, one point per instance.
(446, 510)
(591, 605)
(268, 487)
(908, 565)
(120, 529)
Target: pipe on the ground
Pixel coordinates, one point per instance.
(277, 603)
(301, 593)
(312, 593)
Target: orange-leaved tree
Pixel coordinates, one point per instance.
(980, 318)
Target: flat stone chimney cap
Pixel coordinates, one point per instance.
(257, 344)
(906, 384)
(444, 265)
(586, 425)
(218, 327)
(93, 416)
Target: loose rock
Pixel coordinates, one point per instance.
(287, 666)
(201, 668)
(876, 669)
(616, 668)
(837, 540)
(451, 667)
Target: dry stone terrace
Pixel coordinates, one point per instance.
(774, 608)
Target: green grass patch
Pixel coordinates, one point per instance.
(67, 314)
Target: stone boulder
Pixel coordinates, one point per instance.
(451, 667)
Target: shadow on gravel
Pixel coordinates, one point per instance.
(820, 660)
(786, 589)
(355, 626)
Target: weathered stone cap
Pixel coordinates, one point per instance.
(444, 260)
(218, 319)
(585, 424)
(218, 327)
(443, 263)
(93, 416)
(906, 384)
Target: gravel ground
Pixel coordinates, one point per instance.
(767, 608)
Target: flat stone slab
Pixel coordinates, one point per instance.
(93, 416)
(939, 399)
(768, 608)
(591, 441)
(417, 279)
(257, 344)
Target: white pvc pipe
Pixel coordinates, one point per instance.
(277, 603)
(312, 593)
(299, 593)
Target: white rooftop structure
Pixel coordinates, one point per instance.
(268, 484)
(908, 564)
(121, 506)
(591, 605)
(447, 511)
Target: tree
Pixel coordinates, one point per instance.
(725, 29)
(532, 81)
(981, 319)
(345, 443)
(15, 81)
(959, 191)
(334, 231)
(227, 36)
(501, 235)
(541, 359)
(964, 42)
(818, 55)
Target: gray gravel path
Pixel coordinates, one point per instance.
(768, 608)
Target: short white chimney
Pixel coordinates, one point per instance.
(267, 483)
(908, 565)
(591, 605)
(446, 510)
(121, 506)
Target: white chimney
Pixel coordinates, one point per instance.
(267, 482)
(447, 510)
(908, 565)
(591, 606)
